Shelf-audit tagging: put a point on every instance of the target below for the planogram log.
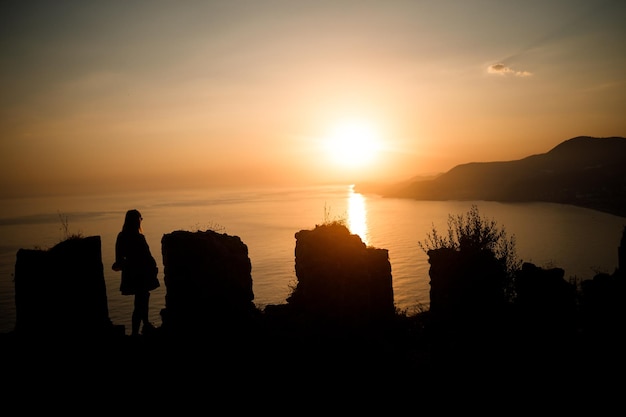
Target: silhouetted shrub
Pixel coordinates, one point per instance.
(472, 271)
(472, 234)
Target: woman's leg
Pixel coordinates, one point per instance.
(140, 312)
(136, 318)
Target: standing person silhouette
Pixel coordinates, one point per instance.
(139, 269)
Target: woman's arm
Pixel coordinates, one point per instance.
(119, 254)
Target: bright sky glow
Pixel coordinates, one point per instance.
(128, 96)
(353, 144)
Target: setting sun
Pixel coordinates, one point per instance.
(353, 143)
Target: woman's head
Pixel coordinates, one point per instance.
(133, 220)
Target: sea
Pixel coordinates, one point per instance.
(581, 241)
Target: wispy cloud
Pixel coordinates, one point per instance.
(502, 69)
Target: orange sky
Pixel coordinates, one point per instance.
(120, 96)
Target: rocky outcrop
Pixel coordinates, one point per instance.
(546, 303)
(60, 293)
(603, 309)
(468, 295)
(208, 280)
(62, 290)
(340, 278)
(466, 289)
(341, 305)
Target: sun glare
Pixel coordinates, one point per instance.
(357, 215)
(353, 143)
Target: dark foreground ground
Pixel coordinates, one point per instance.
(279, 365)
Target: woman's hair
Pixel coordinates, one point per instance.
(132, 222)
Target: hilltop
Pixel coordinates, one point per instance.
(582, 171)
(338, 330)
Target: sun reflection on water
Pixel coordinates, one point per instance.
(357, 215)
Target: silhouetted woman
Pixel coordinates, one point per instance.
(139, 269)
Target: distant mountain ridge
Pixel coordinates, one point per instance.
(583, 171)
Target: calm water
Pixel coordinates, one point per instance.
(581, 241)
